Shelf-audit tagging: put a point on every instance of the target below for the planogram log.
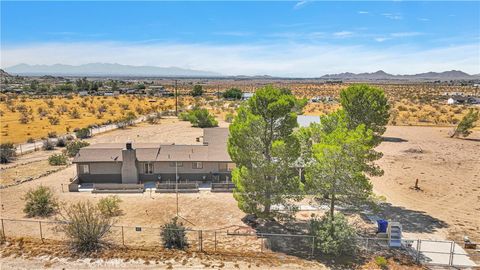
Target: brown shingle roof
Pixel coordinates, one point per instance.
(214, 149)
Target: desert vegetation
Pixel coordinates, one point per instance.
(36, 117)
(40, 202)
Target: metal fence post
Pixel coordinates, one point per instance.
(3, 230)
(452, 250)
(366, 245)
(261, 244)
(313, 246)
(41, 233)
(215, 241)
(200, 241)
(419, 246)
(123, 238)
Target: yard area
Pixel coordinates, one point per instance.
(447, 170)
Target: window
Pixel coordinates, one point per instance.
(148, 168)
(179, 164)
(84, 169)
(197, 165)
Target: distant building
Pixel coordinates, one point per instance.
(457, 100)
(246, 96)
(83, 93)
(306, 120)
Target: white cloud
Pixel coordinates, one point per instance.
(285, 59)
(397, 35)
(300, 4)
(424, 19)
(343, 34)
(381, 39)
(234, 33)
(406, 34)
(393, 16)
(362, 12)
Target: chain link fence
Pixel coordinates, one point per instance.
(428, 252)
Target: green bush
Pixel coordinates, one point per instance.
(466, 124)
(335, 237)
(7, 152)
(202, 118)
(85, 226)
(110, 206)
(381, 262)
(83, 133)
(229, 117)
(184, 116)
(40, 202)
(57, 159)
(174, 235)
(74, 146)
(197, 91)
(233, 93)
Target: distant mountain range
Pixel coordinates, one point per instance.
(383, 76)
(104, 69)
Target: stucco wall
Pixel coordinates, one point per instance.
(164, 167)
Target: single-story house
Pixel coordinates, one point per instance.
(457, 100)
(134, 163)
(246, 96)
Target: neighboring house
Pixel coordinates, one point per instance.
(133, 163)
(473, 100)
(306, 120)
(457, 100)
(246, 96)
(83, 93)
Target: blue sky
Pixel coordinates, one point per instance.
(276, 38)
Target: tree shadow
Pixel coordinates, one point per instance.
(291, 238)
(412, 221)
(471, 139)
(393, 139)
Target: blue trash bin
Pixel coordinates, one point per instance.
(382, 226)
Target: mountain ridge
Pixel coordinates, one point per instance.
(115, 69)
(382, 75)
(105, 69)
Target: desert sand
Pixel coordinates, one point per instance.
(448, 170)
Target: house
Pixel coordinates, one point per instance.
(137, 163)
(457, 99)
(246, 96)
(306, 120)
(83, 93)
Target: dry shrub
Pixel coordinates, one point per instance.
(40, 202)
(174, 235)
(110, 206)
(85, 226)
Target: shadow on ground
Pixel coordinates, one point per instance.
(412, 221)
(393, 139)
(290, 238)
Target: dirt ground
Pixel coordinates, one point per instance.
(448, 170)
(447, 206)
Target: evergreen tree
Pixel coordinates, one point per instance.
(263, 146)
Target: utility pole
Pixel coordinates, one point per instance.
(176, 182)
(176, 99)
